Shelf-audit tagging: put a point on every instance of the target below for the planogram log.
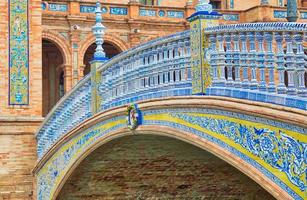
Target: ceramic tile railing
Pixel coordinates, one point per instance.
(248, 61)
(260, 61)
(69, 112)
(157, 69)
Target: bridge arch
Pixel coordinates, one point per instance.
(156, 116)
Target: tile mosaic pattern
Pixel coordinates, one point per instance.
(18, 52)
(268, 145)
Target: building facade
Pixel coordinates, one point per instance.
(54, 45)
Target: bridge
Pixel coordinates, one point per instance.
(237, 91)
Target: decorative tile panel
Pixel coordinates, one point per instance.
(161, 13)
(43, 5)
(280, 14)
(231, 17)
(269, 146)
(304, 15)
(118, 11)
(147, 12)
(58, 7)
(91, 9)
(18, 52)
(175, 14)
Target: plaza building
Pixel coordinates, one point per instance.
(46, 49)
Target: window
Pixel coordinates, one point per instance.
(216, 4)
(148, 2)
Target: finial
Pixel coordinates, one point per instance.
(204, 5)
(98, 31)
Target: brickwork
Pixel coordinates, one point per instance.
(17, 158)
(157, 167)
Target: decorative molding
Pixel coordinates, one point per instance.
(18, 52)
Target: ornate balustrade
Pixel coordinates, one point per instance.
(158, 69)
(69, 112)
(261, 61)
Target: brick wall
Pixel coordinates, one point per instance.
(156, 167)
(19, 123)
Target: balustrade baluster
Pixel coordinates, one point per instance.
(236, 60)
(160, 53)
(221, 60)
(261, 61)
(213, 60)
(300, 62)
(155, 55)
(228, 54)
(187, 44)
(181, 48)
(243, 60)
(290, 63)
(165, 53)
(270, 61)
(170, 51)
(252, 60)
(176, 49)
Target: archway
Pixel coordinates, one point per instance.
(53, 75)
(157, 167)
(110, 50)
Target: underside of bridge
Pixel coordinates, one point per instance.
(157, 167)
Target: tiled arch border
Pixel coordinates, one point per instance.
(117, 116)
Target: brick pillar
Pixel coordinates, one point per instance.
(67, 77)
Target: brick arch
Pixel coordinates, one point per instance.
(60, 42)
(180, 123)
(114, 40)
